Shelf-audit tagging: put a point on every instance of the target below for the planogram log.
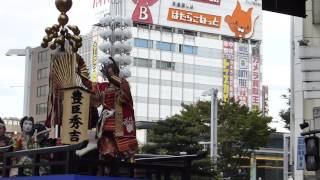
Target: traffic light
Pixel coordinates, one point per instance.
(290, 7)
(312, 153)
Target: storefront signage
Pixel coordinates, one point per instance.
(190, 17)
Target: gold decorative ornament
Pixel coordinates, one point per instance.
(57, 34)
(63, 5)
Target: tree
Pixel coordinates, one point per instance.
(239, 131)
(285, 113)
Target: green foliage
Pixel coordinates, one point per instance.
(239, 130)
(285, 113)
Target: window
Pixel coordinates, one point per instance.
(42, 73)
(186, 49)
(41, 108)
(43, 56)
(190, 33)
(166, 29)
(165, 65)
(142, 62)
(144, 43)
(166, 46)
(243, 74)
(42, 91)
(316, 12)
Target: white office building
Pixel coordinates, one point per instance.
(182, 48)
(305, 84)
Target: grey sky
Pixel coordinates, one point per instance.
(23, 23)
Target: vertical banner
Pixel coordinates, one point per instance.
(228, 70)
(94, 55)
(243, 62)
(226, 79)
(301, 151)
(255, 77)
(75, 116)
(265, 97)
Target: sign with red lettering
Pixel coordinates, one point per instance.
(255, 78)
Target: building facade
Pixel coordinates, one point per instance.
(181, 48)
(305, 84)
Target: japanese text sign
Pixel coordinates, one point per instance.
(190, 17)
(76, 103)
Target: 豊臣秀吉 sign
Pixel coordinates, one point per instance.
(75, 115)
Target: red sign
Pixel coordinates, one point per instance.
(142, 11)
(216, 2)
(255, 81)
(98, 3)
(190, 17)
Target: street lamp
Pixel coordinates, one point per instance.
(27, 79)
(214, 118)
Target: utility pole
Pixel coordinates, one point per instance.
(214, 124)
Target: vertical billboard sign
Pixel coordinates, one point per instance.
(100, 8)
(243, 61)
(301, 150)
(265, 96)
(255, 77)
(95, 39)
(228, 70)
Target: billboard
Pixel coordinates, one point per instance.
(255, 77)
(243, 70)
(100, 8)
(228, 70)
(237, 18)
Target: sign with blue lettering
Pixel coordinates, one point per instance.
(301, 153)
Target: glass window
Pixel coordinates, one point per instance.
(165, 65)
(42, 73)
(166, 46)
(144, 43)
(41, 108)
(190, 33)
(166, 29)
(209, 52)
(42, 90)
(141, 62)
(243, 74)
(186, 49)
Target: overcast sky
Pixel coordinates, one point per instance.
(23, 23)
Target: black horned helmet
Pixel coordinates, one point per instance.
(110, 63)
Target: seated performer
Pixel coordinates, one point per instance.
(24, 141)
(116, 127)
(4, 140)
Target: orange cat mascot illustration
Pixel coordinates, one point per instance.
(240, 22)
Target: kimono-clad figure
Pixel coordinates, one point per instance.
(4, 139)
(116, 129)
(24, 141)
